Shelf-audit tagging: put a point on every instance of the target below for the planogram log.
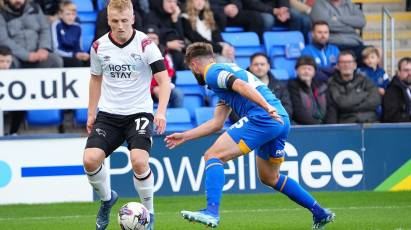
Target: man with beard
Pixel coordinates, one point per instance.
(324, 54)
(396, 104)
(26, 31)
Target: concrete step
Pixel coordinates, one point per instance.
(399, 35)
(398, 16)
(399, 44)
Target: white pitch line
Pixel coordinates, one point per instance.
(222, 211)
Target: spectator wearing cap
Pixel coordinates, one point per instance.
(396, 103)
(25, 30)
(308, 95)
(176, 96)
(352, 97)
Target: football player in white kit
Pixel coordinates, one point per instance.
(123, 62)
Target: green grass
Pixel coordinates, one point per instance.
(354, 210)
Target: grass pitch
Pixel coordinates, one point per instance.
(354, 210)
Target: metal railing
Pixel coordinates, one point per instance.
(387, 15)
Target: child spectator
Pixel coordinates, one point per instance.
(6, 59)
(371, 58)
(176, 96)
(67, 36)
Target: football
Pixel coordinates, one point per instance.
(133, 216)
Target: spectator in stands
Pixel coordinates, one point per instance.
(176, 96)
(396, 103)
(371, 69)
(345, 21)
(279, 13)
(199, 26)
(166, 16)
(50, 8)
(308, 95)
(260, 67)
(26, 31)
(234, 13)
(67, 36)
(324, 53)
(6, 59)
(102, 26)
(352, 97)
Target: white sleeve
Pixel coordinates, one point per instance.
(151, 51)
(95, 65)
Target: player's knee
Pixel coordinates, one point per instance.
(140, 165)
(269, 180)
(91, 162)
(209, 155)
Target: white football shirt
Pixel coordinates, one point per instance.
(126, 73)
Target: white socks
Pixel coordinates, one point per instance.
(100, 182)
(144, 185)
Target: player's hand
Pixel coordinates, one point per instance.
(90, 123)
(273, 113)
(174, 140)
(160, 123)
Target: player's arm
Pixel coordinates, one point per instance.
(221, 113)
(249, 92)
(163, 80)
(94, 97)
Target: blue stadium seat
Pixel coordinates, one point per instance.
(191, 102)
(243, 62)
(280, 74)
(44, 117)
(284, 48)
(87, 35)
(101, 4)
(186, 81)
(245, 43)
(178, 119)
(279, 28)
(87, 17)
(204, 114)
(233, 29)
(84, 5)
(80, 116)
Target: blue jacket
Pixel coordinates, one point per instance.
(66, 38)
(324, 57)
(378, 76)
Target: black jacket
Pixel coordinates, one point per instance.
(396, 104)
(281, 92)
(309, 103)
(352, 101)
(169, 30)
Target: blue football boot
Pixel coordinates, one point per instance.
(103, 215)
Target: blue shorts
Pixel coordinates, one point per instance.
(263, 134)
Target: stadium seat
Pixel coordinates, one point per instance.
(186, 81)
(80, 116)
(178, 119)
(280, 74)
(279, 28)
(44, 117)
(245, 44)
(87, 31)
(191, 102)
(101, 4)
(87, 17)
(284, 48)
(204, 114)
(84, 5)
(233, 29)
(243, 62)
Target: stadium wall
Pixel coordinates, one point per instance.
(321, 158)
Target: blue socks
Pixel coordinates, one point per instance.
(214, 182)
(296, 193)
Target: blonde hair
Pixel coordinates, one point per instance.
(370, 50)
(192, 14)
(120, 5)
(67, 5)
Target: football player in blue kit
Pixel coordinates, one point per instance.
(264, 127)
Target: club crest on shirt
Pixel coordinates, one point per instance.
(135, 56)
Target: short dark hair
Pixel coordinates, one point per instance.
(305, 60)
(402, 61)
(347, 52)
(259, 54)
(198, 49)
(5, 51)
(320, 23)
